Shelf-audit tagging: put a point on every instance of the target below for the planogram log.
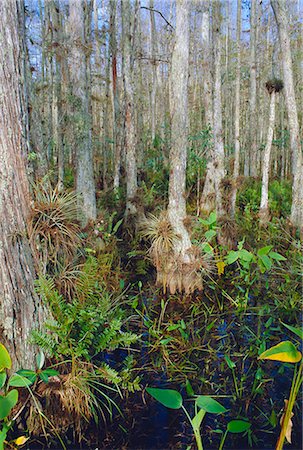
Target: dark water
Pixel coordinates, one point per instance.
(149, 425)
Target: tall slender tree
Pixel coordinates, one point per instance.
(128, 31)
(237, 110)
(79, 74)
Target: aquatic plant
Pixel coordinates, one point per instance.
(286, 351)
(203, 404)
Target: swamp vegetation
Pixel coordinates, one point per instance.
(151, 202)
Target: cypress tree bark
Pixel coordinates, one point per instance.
(296, 216)
(80, 80)
(20, 309)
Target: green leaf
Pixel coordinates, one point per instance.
(210, 405)
(43, 376)
(167, 397)
(19, 381)
(297, 331)
(266, 261)
(196, 421)
(3, 434)
(206, 247)
(29, 374)
(284, 352)
(230, 363)
(210, 234)
(3, 377)
(51, 372)
(232, 257)
(40, 359)
(276, 256)
(238, 426)
(5, 359)
(7, 403)
(273, 420)
(245, 255)
(212, 218)
(264, 250)
(189, 389)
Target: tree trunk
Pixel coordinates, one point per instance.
(208, 194)
(80, 85)
(296, 216)
(237, 112)
(264, 211)
(253, 92)
(218, 150)
(130, 130)
(20, 309)
(154, 52)
(180, 270)
(115, 93)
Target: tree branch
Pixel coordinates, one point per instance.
(159, 12)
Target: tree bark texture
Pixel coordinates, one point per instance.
(20, 309)
(296, 216)
(264, 211)
(79, 60)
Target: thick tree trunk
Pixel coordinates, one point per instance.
(180, 268)
(80, 86)
(296, 216)
(20, 309)
(264, 211)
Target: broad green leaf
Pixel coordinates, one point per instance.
(232, 257)
(297, 331)
(51, 372)
(7, 403)
(212, 218)
(284, 352)
(210, 234)
(167, 397)
(19, 381)
(196, 421)
(264, 250)
(266, 261)
(5, 359)
(3, 377)
(276, 256)
(238, 426)
(43, 376)
(40, 359)
(245, 255)
(29, 374)
(230, 363)
(210, 405)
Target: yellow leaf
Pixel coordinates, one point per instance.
(21, 440)
(289, 425)
(220, 267)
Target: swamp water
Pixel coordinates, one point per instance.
(258, 397)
